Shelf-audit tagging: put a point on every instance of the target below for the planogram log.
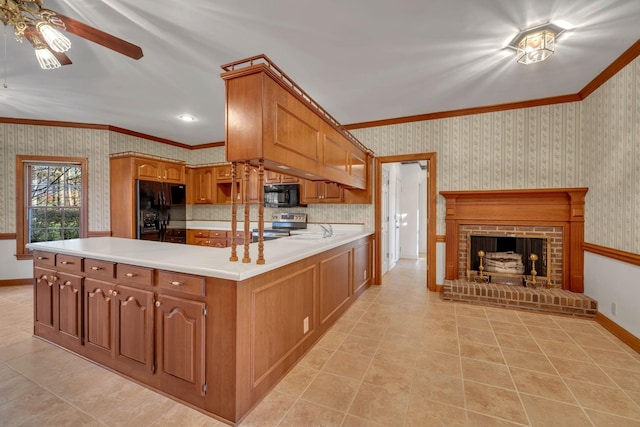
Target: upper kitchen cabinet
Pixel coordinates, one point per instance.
(158, 170)
(269, 117)
(271, 177)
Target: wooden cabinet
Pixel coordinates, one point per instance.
(58, 299)
(158, 170)
(180, 331)
(213, 238)
(123, 172)
(290, 129)
(271, 177)
(149, 325)
(321, 192)
(203, 182)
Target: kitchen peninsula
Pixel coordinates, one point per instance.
(186, 321)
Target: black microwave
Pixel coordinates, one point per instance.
(282, 195)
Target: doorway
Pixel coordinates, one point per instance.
(383, 223)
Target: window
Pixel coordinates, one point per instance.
(53, 202)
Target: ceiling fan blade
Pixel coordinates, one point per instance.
(100, 37)
(62, 57)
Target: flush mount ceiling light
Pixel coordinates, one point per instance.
(187, 118)
(536, 44)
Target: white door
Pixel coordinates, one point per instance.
(385, 219)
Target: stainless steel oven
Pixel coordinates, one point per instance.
(282, 195)
(281, 226)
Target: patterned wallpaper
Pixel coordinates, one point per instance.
(593, 143)
(611, 161)
(525, 148)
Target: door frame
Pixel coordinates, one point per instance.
(430, 209)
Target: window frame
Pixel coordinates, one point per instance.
(22, 228)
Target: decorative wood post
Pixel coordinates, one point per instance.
(247, 211)
(260, 259)
(234, 213)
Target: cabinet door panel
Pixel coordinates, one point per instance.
(181, 338)
(134, 327)
(70, 307)
(173, 173)
(44, 297)
(99, 331)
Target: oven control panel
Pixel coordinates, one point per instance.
(289, 217)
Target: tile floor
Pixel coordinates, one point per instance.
(399, 357)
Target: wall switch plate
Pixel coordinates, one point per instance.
(305, 325)
(613, 308)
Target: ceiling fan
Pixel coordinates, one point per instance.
(41, 27)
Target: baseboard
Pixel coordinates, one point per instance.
(621, 333)
(439, 288)
(16, 282)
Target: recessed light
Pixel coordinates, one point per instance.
(284, 167)
(187, 118)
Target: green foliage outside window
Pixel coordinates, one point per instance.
(54, 202)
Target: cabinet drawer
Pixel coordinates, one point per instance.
(99, 269)
(69, 263)
(180, 282)
(44, 258)
(217, 234)
(134, 275)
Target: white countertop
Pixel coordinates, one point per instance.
(205, 261)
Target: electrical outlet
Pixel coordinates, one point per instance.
(613, 308)
(364, 274)
(305, 325)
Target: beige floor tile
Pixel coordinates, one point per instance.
(552, 334)
(473, 322)
(487, 373)
(634, 396)
(389, 373)
(398, 344)
(438, 388)
(138, 406)
(331, 391)
(470, 310)
(563, 350)
(353, 421)
(487, 353)
(583, 371)
(27, 346)
(475, 419)
(580, 326)
(595, 340)
(604, 399)
(494, 401)
(544, 412)
(365, 330)
(509, 328)
(518, 342)
(502, 315)
(445, 343)
(61, 415)
(528, 360)
(270, 411)
(317, 357)
(344, 326)
(6, 373)
(331, 340)
(380, 405)
(477, 335)
(626, 380)
(614, 359)
(26, 403)
(347, 365)
(297, 380)
(422, 413)
(439, 363)
(180, 415)
(16, 387)
(601, 419)
(537, 319)
(359, 345)
(542, 385)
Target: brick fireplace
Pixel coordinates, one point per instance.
(553, 216)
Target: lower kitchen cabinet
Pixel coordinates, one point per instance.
(58, 307)
(180, 332)
(119, 327)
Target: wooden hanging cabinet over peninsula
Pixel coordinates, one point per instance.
(269, 117)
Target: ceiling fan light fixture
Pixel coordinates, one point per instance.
(54, 38)
(46, 59)
(187, 118)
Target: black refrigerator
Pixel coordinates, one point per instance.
(161, 211)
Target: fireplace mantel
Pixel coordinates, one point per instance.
(562, 207)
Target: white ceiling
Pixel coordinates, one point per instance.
(362, 60)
